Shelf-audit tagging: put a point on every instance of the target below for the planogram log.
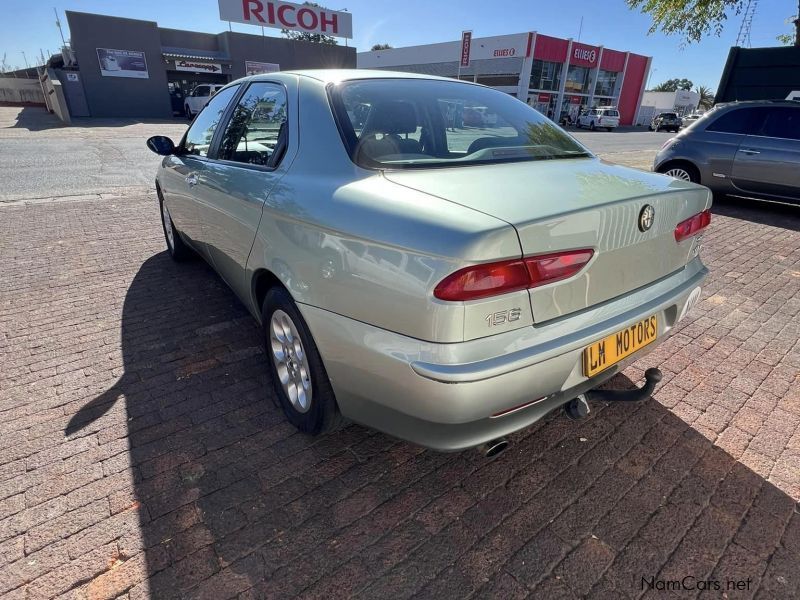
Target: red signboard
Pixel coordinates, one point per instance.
(584, 55)
(544, 97)
(466, 42)
(575, 99)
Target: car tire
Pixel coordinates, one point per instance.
(591, 126)
(177, 248)
(681, 170)
(298, 376)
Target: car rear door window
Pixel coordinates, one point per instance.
(782, 122)
(198, 138)
(739, 121)
(257, 131)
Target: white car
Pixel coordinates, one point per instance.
(194, 102)
(599, 117)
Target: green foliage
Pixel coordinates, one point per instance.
(693, 19)
(303, 36)
(673, 85)
(380, 47)
(706, 97)
(789, 39)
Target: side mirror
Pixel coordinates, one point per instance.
(161, 144)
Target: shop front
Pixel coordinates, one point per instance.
(558, 77)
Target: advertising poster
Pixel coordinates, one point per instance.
(257, 68)
(122, 63)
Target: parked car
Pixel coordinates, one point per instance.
(668, 121)
(689, 119)
(198, 98)
(741, 148)
(601, 117)
(444, 293)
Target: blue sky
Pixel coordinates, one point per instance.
(30, 26)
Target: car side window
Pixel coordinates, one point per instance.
(198, 138)
(740, 121)
(257, 131)
(782, 122)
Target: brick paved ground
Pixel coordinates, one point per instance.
(141, 457)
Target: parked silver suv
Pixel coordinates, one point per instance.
(742, 148)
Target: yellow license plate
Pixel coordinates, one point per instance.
(613, 348)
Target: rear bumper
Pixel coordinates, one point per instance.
(444, 396)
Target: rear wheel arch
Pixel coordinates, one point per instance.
(694, 172)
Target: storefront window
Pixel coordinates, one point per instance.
(577, 80)
(545, 75)
(606, 83)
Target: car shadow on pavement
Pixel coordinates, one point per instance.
(786, 216)
(229, 499)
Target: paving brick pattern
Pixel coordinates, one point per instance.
(142, 457)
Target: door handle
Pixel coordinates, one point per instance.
(749, 151)
(191, 179)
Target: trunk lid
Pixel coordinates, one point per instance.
(577, 203)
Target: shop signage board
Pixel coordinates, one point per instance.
(122, 63)
(196, 66)
(287, 15)
(252, 67)
(466, 42)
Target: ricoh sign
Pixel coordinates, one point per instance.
(286, 15)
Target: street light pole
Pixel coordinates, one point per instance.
(650, 74)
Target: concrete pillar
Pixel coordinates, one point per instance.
(562, 84)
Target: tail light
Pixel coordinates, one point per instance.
(692, 225)
(492, 279)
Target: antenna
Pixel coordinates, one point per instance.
(743, 38)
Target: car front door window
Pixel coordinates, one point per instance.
(198, 138)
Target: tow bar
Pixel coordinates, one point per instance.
(578, 408)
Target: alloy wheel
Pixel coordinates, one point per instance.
(290, 360)
(678, 173)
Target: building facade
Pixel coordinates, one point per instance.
(681, 102)
(556, 76)
(133, 68)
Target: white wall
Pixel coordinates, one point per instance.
(20, 91)
(513, 45)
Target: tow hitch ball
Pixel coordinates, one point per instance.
(578, 408)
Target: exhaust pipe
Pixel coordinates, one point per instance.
(493, 448)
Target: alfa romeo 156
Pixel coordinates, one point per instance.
(445, 282)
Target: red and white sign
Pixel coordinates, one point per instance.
(466, 42)
(583, 55)
(286, 15)
(544, 98)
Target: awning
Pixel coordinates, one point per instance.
(192, 54)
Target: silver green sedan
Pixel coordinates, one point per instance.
(443, 280)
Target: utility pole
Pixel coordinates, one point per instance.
(58, 24)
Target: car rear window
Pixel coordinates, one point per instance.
(423, 123)
(610, 113)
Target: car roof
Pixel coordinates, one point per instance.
(334, 75)
(778, 102)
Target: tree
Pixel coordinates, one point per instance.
(694, 19)
(706, 97)
(304, 36)
(381, 47)
(787, 39)
(673, 85)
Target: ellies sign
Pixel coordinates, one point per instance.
(286, 15)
